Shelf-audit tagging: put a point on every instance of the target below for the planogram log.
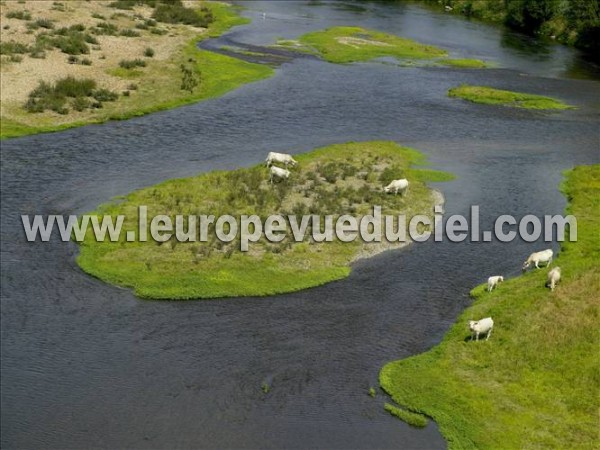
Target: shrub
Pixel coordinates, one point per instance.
(72, 87)
(11, 47)
(105, 28)
(73, 59)
(43, 23)
(72, 44)
(16, 58)
(21, 15)
(132, 63)
(126, 94)
(57, 6)
(149, 52)
(105, 95)
(86, 62)
(132, 87)
(158, 31)
(98, 16)
(80, 103)
(175, 12)
(128, 32)
(45, 97)
(189, 78)
(123, 4)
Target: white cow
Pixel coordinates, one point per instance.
(493, 282)
(544, 256)
(276, 172)
(397, 186)
(553, 278)
(483, 326)
(282, 158)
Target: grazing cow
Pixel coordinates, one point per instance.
(282, 158)
(483, 326)
(544, 256)
(397, 186)
(276, 172)
(553, 278)
(493, 282)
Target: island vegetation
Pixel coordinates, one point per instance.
(354, 44)
(534, 384)
(74, 63)
(491, 96)
(334, 180)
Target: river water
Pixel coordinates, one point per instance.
(85, 364)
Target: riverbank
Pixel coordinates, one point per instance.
(572, 23)
(140, 60)
(333, 180)
(535, 382)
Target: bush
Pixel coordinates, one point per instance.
(189, 78)
(86, 62)
(128, 32)
(149, 52)
(132, 63)
(98, 16)
(12, 47)
(106, 29)
(73, 60)
(72, 44)
(41, 23)
(175, 12)
(16, 58)
(132, 87)
(80, 103)
(57, 6)
(126, 93)
(21, 15)
(158, 31)
(72, 87)
(104, 95)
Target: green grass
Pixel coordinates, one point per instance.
(350, 44)
(491, 96)
(536, 382)
(411, 418)
(464, 63)
(160, 84)
(209, 269)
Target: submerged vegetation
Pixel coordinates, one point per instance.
(535, 383)
(491, 96)
(332, 180)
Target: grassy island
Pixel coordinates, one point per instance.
(535, 383)
(491, 96)
(353, 44)
(137, 56)
(334, 180)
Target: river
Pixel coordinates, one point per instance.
(85, 364)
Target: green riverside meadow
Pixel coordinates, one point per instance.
(534, 384)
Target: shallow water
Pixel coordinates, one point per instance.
(85, 364)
